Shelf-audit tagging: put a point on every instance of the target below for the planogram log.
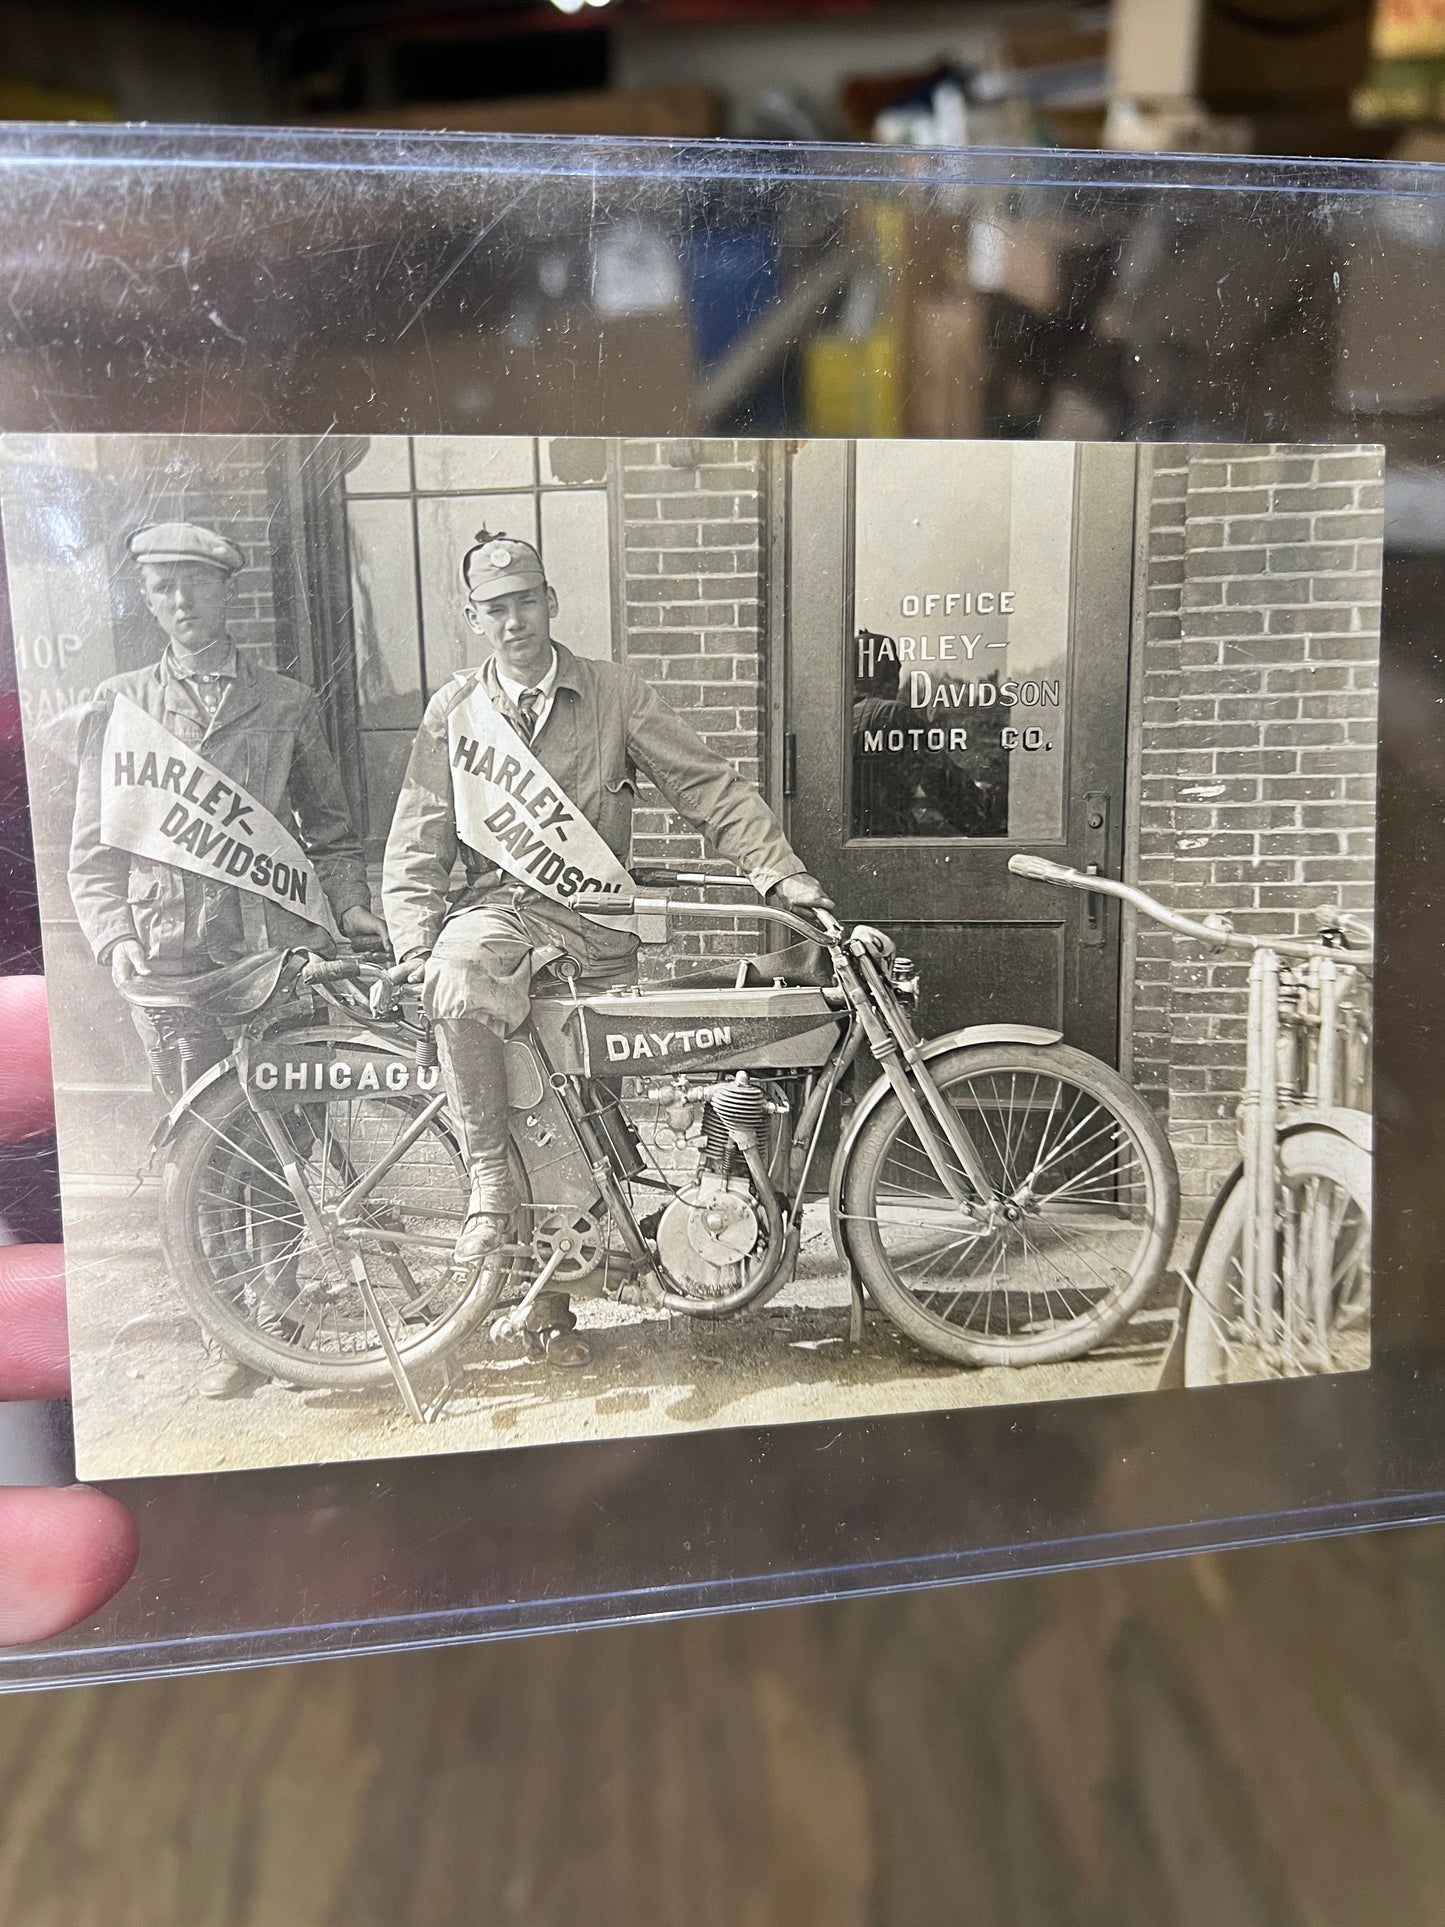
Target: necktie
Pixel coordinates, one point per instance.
(527, 706)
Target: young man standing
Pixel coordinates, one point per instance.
(189, 772)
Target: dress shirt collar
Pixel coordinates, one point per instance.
(546, 685)
(222, 665)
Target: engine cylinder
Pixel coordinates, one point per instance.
(736, 1112)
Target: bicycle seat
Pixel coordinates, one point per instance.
(233, 990)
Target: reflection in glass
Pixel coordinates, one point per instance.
(457, 462)
(577, 555)
(962, 585)
(383, 588)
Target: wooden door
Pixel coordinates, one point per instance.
(957, 689)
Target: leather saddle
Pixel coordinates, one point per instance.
(233, 990)
(800, 965)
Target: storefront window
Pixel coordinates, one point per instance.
(413, 509)
(958, 656)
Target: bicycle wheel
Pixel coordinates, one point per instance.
(1314, 1314)
(247, 1264)
(1085, 1207)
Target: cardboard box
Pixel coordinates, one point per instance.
(948, 363)
(1390, 326)
(1024, 259)
(1250, 55)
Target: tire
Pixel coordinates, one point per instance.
(1070, 1269)
(242, 1258)
(1324, 1173)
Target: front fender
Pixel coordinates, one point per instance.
(972, 1037)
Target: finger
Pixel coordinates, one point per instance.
(34, 1344)
(27, 1104)
(63, 1552)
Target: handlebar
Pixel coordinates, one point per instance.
(826, 924)
(1216, 932)
(652, 878)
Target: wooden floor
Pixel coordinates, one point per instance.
(1239, 1740)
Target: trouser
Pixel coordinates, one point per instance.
(478, 989)
(180, 1046)
(474, 1073)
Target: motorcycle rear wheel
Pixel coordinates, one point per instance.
(1100, 1191)
(244, 1260)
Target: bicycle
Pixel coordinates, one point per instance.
(1279, 1280)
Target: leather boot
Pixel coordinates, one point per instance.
(550, 1331)
(225, 1376)
(474, 1071)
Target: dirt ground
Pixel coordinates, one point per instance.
(138, 1354)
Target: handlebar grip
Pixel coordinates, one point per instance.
(1042, 871)
(333, 970)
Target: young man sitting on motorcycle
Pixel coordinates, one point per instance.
(590, 726)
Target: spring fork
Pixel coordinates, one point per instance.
(898, 1042)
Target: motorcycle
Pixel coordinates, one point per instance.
(1003, 1198)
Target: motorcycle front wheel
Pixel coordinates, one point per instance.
(246, 1261)
(1077, 1234)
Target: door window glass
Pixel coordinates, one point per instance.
(958, 657)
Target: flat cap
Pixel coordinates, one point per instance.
(500, 565)
(185, 542)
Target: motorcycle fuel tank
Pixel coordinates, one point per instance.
(646, 1031)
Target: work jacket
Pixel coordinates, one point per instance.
(605, 726)
(266, 734)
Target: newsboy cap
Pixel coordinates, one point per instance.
(185, 542)
(500, 565)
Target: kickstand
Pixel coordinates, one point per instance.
(855, 1310)
(451, 1382)
(388, 1343)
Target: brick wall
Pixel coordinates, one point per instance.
(1260, 649)
(692, 600)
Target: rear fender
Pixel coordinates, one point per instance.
(171, 1122)
(541, 1131)
(972, 1037)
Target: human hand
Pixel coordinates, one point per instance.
(410, 970)
(801, 892)
(127, 962)
(63, 1551)
(365, 930)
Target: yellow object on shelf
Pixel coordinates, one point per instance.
(26, 100)
(854, 387)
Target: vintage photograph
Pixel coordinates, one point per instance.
(554, 939)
